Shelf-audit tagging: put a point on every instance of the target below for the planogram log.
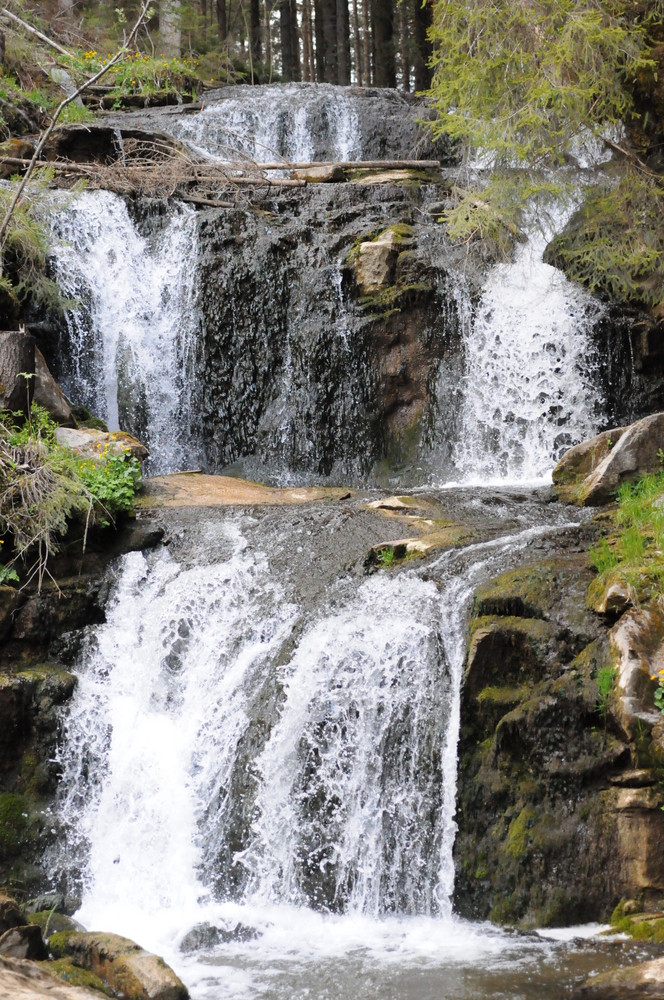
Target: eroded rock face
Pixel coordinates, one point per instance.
(559, 764)
(17, 358)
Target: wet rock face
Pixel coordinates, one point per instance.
(559, 796)
(302, 365)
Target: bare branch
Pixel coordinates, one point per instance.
(119, 55)
(33, 31)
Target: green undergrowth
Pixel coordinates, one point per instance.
(140, 73)
(634, 550)
(45, 486)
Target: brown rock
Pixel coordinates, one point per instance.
(637, 642)
(375, 263)
(124, 965)
(590, 473)
(49, 394)
(91, 443)
(23, 942)
(11, 914)
(17, 356)
(21, 980)
(645, 980)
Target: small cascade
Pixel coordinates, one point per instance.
(129, 338)
(530, 387)
(295, 122)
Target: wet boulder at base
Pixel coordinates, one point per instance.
(91, 443)
(644, 981)
(123, 965)
(590, 473)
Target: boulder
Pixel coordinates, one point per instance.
(122, 964)
(590, 473)
(24, 981)
(90, 443)
(17, 358)
(637, 646)
(48, 394)
(375, 263)
(23, 942)
(11, 914)
(638, 982)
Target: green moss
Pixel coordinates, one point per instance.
(503, 695)
(58, 943)
(388, 299)
(65, 970)
(519, 833)
(14, 823)
(51, 922)
(526, 592)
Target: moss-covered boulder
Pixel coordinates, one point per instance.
(121, 964)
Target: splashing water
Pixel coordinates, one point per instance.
(530, 390)
(130, 333)
(270, 123)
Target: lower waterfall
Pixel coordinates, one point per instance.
(259, 772)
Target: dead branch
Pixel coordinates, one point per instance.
(33, 31)
(120, 54)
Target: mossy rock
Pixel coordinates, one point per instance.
(19, 828)
(74, 975)
(53, 923)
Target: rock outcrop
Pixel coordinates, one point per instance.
(591, 472)
(560, 760)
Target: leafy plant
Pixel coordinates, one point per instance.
(45, 485)
(386, 557)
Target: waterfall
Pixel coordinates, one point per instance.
(129, 339)
(244, 763)
(530, 384)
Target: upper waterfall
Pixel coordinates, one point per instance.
(246, 338)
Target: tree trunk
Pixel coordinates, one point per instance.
(343, 43)
(357, 48)
(255, 32)
(222, 22)
(422, 19)
(267, 34)
(17, 358)
(286, 35)
(367, 46)
(320, 41)
(330, 58)
(309, 70)
(382, 15)
(169, 28)
(295, 42)
(404, 47)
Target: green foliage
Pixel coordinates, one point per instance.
(141, 74)
(606, 678)
(45, 485)
(26, 247)
(521, 81)
(616, 242)
(386, 557)
(524, 84)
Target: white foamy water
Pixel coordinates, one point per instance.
(530, 387)
(264, 124)
(235, 767)
(132, 325)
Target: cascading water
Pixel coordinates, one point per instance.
(132, 326)
(259, 768)
(281, 122)
(530, 386)
(253, 775)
